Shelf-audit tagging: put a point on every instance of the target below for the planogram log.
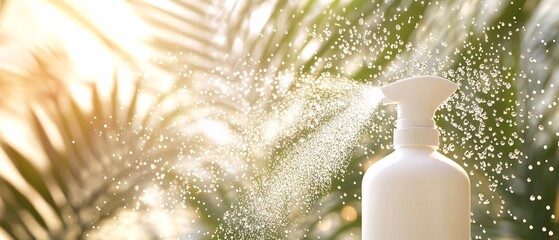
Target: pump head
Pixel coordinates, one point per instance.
(418, 98)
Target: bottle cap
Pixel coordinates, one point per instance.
(418, 98)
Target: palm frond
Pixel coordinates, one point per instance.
(100, 153)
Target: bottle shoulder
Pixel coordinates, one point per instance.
(413, 164)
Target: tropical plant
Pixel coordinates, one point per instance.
(193, 122)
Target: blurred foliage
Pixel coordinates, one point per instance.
(101, 148)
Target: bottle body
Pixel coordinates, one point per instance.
(416, 193)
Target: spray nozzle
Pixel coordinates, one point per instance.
(418, 98)
(387, 101)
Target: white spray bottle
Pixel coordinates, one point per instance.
(416, 193)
